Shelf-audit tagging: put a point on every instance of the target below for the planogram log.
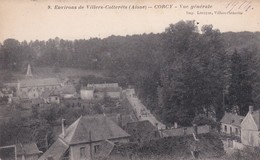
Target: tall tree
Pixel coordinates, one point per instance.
(240, 90)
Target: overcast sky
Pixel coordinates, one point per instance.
(31, 19)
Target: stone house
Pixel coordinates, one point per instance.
(33, 88)
(82, 139)
(87, 93)
(230, 124)
(250, 128)
(27, 151)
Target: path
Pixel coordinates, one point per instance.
(142, 113)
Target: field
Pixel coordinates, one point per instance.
(45, 72)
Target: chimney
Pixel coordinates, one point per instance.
(195, 129)
(175, 125)
(63, 127)
(251, 109)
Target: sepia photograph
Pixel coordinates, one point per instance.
(129, 80)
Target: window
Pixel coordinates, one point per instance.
(236, 131)
(231, 130)
(225, 128)
(82, 152)
(96, 148)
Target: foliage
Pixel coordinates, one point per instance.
(240, 89)
(178, 73)
(203, 120)
(193, 77)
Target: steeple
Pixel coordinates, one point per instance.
(29, 71)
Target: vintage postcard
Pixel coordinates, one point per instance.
(129, 79)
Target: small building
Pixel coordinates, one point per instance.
(230, 124)
(141, 131)
(83, 138)
(20, 151)
(27, 151)
(87, 93)
(250, 128)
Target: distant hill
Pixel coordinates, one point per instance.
(240, 40)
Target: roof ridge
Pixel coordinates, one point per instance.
(75, 129)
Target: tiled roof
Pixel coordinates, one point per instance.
(109, 89)
(27, 149)
(67, 89)
(232, 119)
(46, 93)
(121, 120)
(40, 82)
(93, 128)
(56, 151)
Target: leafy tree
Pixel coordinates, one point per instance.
(193, 77)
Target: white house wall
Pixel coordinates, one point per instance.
(249, 131)
(87, 94)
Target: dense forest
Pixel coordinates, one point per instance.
(180, 73)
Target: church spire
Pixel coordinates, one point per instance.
(29, 71)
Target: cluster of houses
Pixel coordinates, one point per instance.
(95, 136)
(246, 129)
(54, 90)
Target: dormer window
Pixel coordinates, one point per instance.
(232, 121)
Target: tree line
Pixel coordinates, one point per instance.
(180, 73)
